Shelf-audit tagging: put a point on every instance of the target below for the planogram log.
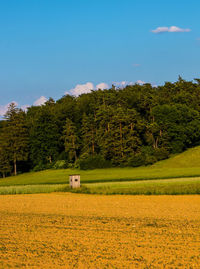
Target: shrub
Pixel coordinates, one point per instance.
(161, 154)
(136, 160)
(39, 167)
(148, 156)
(92, 162)
(177, 146)
(60, 164)
(42, 166)
(150, 159)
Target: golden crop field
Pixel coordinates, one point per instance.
(89, 231)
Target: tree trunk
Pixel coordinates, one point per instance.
(15, 166)
(154, 141)
(73, 144)
(108, 127)
(75, 155)
(156, 144)
(131, 126)
(92, 142)
(121, 140)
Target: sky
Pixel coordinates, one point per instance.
(50, 48)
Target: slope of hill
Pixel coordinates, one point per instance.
(187, 159)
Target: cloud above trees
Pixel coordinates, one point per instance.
(102, 86)
(40, 101)
(4, 108)
(89, 86)
(76, 91)
(123, 84)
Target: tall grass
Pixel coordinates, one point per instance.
(146, 187)
(28, 189)
(100, 175)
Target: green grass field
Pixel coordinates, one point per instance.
(182, 170)
(147, 187)
(173, 186)
(100, 175)
(27, 189)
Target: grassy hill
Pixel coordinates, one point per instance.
(187, 159)
(184, 165)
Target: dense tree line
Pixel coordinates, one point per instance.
(133, 126)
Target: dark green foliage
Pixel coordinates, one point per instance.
(14, 139)
(136, 160)
(147, 156)
(5, 167)
(44, 135)
(176, 126)
(70, 140)
(60, 164)
(161, 154)
(93, 162)
(119, 131)
(134, 126)
(89, 135)
(41, 166)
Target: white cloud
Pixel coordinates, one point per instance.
(87, 88)
(122, 84)
(175, 29)
(3, 109)
(102, 86)
(140, 82)
(172, 29)
(81, 88)
(160, 30)
(24, 107)
(40, 101)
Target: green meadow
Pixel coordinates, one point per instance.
(147, 187)
(176, 175)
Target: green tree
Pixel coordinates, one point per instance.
(44, 135)
(5, 166)
(70, 140)
(118, 133)
(88, 131)
(15, 136)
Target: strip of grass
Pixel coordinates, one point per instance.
(146, 187)
(99, 175)
(30, 189)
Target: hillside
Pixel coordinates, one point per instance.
(187, 159)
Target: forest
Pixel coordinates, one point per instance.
(133, 126)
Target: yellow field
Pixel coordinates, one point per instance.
(90, 231)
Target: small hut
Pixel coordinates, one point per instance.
(74, 181)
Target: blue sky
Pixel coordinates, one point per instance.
(49, 47)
